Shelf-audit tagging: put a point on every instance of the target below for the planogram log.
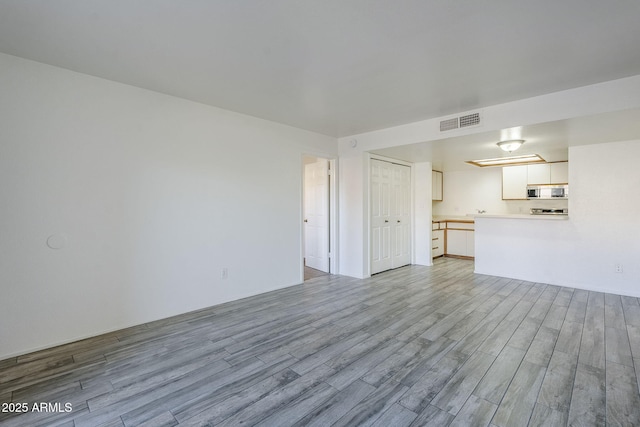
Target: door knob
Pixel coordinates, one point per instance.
(306, 220)
(398, 221)
(386, 220)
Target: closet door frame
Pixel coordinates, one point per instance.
(367, 226)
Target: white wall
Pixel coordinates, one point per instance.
(602, 229)
(352, 170)
(422, 220)
(154, 195)
(467, 191)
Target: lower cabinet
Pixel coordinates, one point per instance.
(460, 243)
(453, 238)
(437, 243)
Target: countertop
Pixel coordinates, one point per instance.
(472, 217)
(525, 216)
(453, 218)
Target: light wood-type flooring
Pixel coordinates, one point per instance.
(410, 347)
(312, 273)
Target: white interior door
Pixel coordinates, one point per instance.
(390, 186)
(380, 184)
(316, 214)
(401, 216)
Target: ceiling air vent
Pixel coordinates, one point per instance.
(470, 120)
(449, 124)
(467, 120)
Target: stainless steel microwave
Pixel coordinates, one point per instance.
(554, 192)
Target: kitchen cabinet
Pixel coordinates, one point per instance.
(453, 237)
(538, 174)
(460, 243)
(559, 172)
(548, 173)
(437, 239)
(516, 178)
(437, 187)
(460, 239)
(514, 183)
(437, 243)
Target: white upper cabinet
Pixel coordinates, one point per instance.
(514, 183)
(548, 173)
(559, 172)
(516, 178)
(538, 174)
(436, 182)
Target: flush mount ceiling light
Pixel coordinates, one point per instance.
(511, 144)
(508, 161)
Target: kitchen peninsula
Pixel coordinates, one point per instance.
(518, 246)
(473, 236)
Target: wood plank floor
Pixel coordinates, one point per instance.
(312, 273)
(415, 346)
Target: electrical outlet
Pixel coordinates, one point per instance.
(618, 268)
(224, 273)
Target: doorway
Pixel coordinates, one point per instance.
(317, 212)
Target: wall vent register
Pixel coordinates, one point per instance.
(449, 124)
(467, 120)
(470, 120)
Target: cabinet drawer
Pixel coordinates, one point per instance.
(437, 243)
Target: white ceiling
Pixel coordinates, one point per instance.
(342, 67)
(338, 67)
